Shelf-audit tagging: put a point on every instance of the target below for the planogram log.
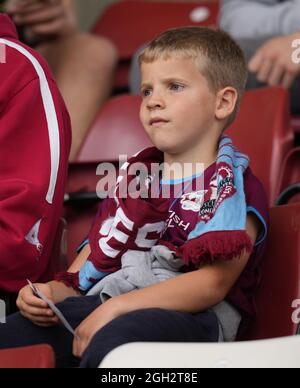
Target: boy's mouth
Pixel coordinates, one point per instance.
(156, 121)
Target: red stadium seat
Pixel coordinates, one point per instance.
(290, 169)
(290, 177)
(39, 356)
(280, 283)
(116, 130)
(296, 124)
(131, 24)
(262, 130)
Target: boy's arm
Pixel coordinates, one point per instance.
(190, 292)
(59, 290)
(37, 310)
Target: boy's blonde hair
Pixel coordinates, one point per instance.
(221, 61)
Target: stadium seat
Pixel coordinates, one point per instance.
(289, 195)
(280, 282)
(39, 356)
(263, 131)
(290, 176)
(117, 130)
(275, 353)
(131, 24)
(122, 20)
(296, 124)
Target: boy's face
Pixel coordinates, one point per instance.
(178, 107)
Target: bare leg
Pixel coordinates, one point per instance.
(83, 65)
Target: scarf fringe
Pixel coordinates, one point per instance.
(215, 246)
(69, 279)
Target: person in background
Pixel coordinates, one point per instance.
(83, 64)
(35, 138)
(269, 33)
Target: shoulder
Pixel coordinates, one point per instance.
(257, 202)
(22, 66)
(254, 190)
(25, 77)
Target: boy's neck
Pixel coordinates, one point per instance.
(197, 159)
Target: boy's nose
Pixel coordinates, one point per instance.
(156, 102)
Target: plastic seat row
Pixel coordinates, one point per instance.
(131, 24)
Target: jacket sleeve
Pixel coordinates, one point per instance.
(250, 19)
(25, 170)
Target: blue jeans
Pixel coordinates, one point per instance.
(151, 324)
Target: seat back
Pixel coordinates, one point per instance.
(262, 130)
(277, 353)
(290, 173)
(117, 130)
(39, 356)
(131, 24)
(278, 297)
(121, 21)
(296, 124)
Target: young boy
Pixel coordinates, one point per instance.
(192, 82)
(35, 137)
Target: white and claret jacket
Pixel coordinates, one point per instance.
(35, 137)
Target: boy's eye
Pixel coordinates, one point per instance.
(176, 87)
(146, 92)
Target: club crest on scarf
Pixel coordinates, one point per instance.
(221, 188)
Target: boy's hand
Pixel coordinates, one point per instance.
(35, 309)
(43, 18)
(92, 324)
(273, 62)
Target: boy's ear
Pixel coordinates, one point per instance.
(226, 102)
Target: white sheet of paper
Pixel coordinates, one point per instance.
(52, 306)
